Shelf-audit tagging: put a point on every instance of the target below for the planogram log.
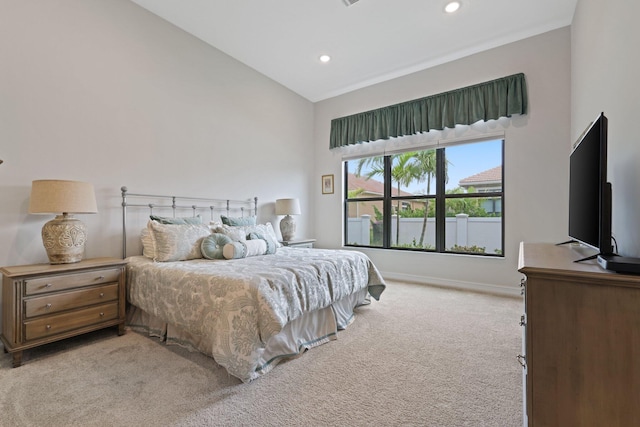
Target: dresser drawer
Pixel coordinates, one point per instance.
(53, 303)
(68, 281)
(52, 325)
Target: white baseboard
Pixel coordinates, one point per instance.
(457, 284)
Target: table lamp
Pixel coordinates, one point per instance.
(64, 236)
(287, 207)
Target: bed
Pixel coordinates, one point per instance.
(259, 304)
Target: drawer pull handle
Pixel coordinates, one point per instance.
(48, 285)
(100, 278)
(48, 327)
(101, 294)
(101, 314)
(48, 306)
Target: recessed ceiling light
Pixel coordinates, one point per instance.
(452, 6)
(325, 58)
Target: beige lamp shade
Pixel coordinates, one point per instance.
(288, 207)
(64, 236)
(58, 196)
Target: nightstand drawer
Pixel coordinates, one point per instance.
(43, 303)
(67, 281)
(52, 325)
(53, 303)
(301, 243)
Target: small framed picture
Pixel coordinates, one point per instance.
(327, 184)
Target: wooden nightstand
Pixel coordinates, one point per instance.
(43, 303)
(302, 243)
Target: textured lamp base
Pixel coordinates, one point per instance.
(288, 228)
(64, 238)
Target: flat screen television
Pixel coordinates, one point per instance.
(589, 191)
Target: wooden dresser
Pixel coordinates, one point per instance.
(43, 303)
(581, 340)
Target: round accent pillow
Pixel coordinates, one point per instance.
(235, 250)
(212, 245)
(272, 244)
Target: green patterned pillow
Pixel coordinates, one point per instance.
(177, 220)
(241, 221)
(212, 245)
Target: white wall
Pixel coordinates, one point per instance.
(106, 92)
(536, 157)
(605, 66)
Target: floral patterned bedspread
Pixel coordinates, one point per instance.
(239, 304)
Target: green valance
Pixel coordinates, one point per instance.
(484, 101)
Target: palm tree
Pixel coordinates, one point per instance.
(402, 173)
(352, 194)
(425, 169)
(409, 167)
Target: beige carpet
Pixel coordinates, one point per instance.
(422, 356)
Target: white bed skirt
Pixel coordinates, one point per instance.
(312, 329)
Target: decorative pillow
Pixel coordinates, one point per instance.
(178, 242)
(238, 221)
(177, 220)
(271, 243)
(267, 229)
(148, 243)
(238, 234)
(235, 250)
(212, 245)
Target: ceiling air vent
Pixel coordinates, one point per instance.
(349, 2)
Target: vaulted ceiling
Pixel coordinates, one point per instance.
(369, 41)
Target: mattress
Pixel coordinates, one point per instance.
(250, 313)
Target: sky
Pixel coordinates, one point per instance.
(470, 159)
(464, 160)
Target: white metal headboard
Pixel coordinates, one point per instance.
(196, 205)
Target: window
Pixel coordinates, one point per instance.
(446, 199)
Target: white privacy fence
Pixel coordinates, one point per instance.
(462, 230)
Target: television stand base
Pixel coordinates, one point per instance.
(619, 264)
(566, 242)
(587, 258)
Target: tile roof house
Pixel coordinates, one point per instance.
(485, 181)
(369, 187)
